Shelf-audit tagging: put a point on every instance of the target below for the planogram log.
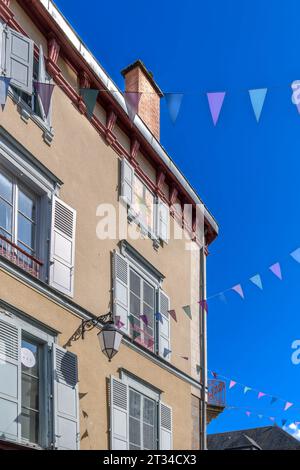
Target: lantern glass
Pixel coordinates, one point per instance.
(110, 340)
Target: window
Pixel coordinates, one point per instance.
(143, 205)
(143, 423)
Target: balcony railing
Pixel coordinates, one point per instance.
(19, 257)
(216, 393)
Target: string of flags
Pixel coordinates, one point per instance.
(253, 413)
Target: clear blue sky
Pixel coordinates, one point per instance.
(247, 174)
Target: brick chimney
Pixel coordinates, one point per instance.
(139, 79)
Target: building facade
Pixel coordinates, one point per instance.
(94, 218)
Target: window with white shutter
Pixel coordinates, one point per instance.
(66, 400)
(119, 432)
(62, 259)
(121, 290)
(164, 326)
(127, 181)
(165, 427)
(163, 221)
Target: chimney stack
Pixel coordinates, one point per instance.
(139, 79)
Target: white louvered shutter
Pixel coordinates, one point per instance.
(165, 427)
(127, 180)
(121, 290)
(19, 52)
(119, 426)
(10, 380)
(66, 400)
(163, 221)
(164, 326)
(62, 259)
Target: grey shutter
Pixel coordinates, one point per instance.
(163, 221)
(127, 180)
(165, 427)
(19, 60)
(66, 401)
(119, 422)
(121, 290)
(10, 380)
(164, 326)
(62, 259)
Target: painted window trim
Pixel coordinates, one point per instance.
(140, 385)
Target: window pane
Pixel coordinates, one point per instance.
(5, 217)
(149, 411)
(30, 392)
(26, 205)
(135, 283)
(30, 425)
(6, 187)
(134, 431)
(148, 294)
(33, 348)
(134, 404)
(26, 230)
(149, 437)
(135, 308)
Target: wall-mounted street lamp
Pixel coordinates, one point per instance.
(109, 337)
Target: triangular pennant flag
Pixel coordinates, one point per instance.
(276, 269)
(150, 342)
(283, 422)
(44, 92)
(296, 255)
(187, 311)
(131, 319)
(84, 413)
(132, 100)
(203, 304)
(273, 400)
(89, 97)
(288, 405)
(172, 314)
(215, 101)
(248, 413)
(145, 319)
(185, 358)
(166, 352)
(260, 416)
(4, 86)
(247, 389)
(198, 368)
(159, 317)
(256, 280)
(84, 435)
(173, 101)
(136, 334)
(232, 384)
(239, 290)
(215, 375)
(272, 418)
(261, 394)
(82, 395)
(257, 98)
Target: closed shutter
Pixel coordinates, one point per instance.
(163, 221)
(121, 290)
(10, 380)
(127, 180)
(66, 402)
(119, 427)
(19, 60)
(164, 325)
(62, 259)
(165, 427)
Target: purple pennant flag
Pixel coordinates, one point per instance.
(239, 290)
(261, 394)
(119, 324)
(215, 101)
(44, 92)
(232, 384)
(4, 86)
(173, 101)
(276, 269)
(248, 413)
(145, 319)
(172, 314)
(132, 99)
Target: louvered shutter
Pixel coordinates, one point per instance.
(66, 401)
(10, 380)
(121, 290)
(163, 221)
(127, 180)
(62, 259)
(165, 427)
(119, 426)
(164, 325)
(19, 60)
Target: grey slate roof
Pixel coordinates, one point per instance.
(264, 438)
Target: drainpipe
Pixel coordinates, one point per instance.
(203, 353)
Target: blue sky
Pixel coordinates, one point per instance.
(247, 173)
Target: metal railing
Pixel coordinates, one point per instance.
(216, 393)
(20, 257)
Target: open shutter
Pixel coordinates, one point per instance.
(164, 325)
(119, 432)
(121, 290)
(66, 402)
(62, 257)
(10, 379)
(127, 179)
(19, 60)
(163, 221)
(165, 427)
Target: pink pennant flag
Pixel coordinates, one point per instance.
(119, 324)
(232, 384)
(276, 269)
(215, 101)
(288, 405)
(248, 413)
(239, 290)
(261, 394)
(150, 342)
